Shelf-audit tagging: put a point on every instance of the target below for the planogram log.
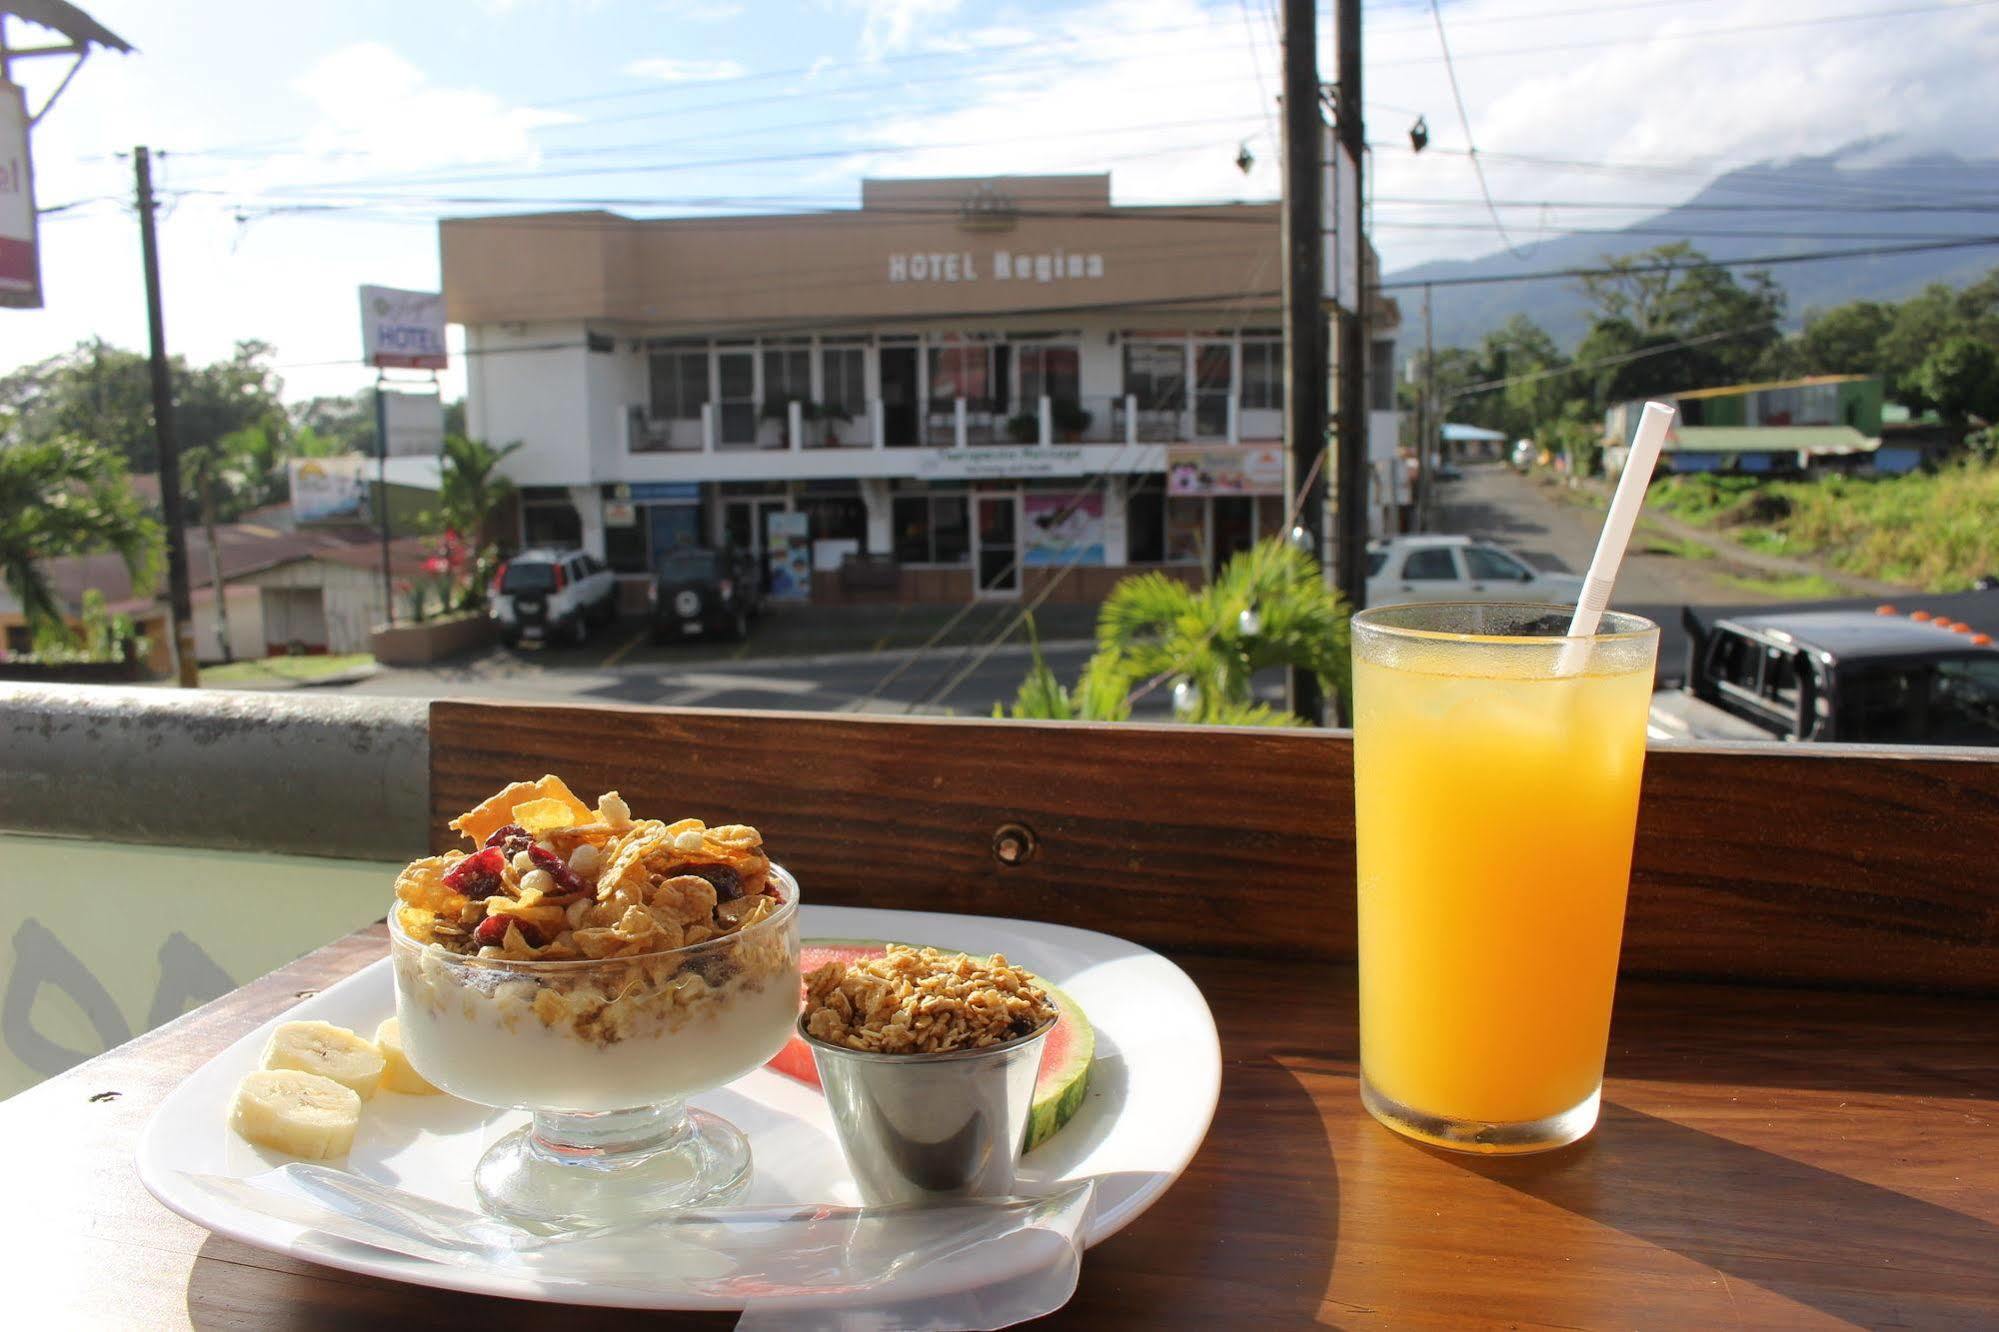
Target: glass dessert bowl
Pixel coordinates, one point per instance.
(597, 971)
(605, 1053)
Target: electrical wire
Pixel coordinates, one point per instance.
(1752, 261)
(1471, 144)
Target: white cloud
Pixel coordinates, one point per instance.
(702, 11)
(889, 26)
(668, 70)
(1654, 103)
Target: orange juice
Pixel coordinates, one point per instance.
(1495, 799)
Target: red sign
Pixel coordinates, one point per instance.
(20, 256)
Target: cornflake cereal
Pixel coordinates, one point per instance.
(922, 1001)
(552, 880)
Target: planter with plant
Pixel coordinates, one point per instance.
(1070, 420)
(1024, 427)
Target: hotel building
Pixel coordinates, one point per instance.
(962, 388)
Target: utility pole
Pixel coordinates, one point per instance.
(180, 606)
(1350, 536)
(382, 500)
(1304, 313)
(1426, 423)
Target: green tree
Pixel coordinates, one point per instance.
(470, 491)
(1845, 340)
(68, 497)
(1702, 325)
(1269, 607)
(1962, 378)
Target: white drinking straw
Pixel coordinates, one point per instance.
(1616, 535)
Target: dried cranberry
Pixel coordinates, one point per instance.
(565, 878)
(478, 875)
(512, 839)
(728, 884)
(492, 932)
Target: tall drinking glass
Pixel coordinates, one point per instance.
(1495, 798)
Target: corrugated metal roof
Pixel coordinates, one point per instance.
(1768, 439)
(1731, 390)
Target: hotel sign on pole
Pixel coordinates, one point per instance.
(1340, 225)
(402, 330)
(20, 250)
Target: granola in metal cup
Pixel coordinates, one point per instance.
(923, 1001)
(544, 966)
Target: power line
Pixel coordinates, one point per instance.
(1602, 362)
(1757, 261)
(1464, 119)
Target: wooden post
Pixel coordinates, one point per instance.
(180, 606)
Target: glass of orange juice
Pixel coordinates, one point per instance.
(1495, 798)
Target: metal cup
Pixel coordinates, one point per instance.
(916, 1127)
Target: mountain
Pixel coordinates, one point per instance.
(1795, 207)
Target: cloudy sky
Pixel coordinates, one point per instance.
(311, 146)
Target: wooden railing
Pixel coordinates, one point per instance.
(1820, 865)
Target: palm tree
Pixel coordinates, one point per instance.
(470, 490)
(68, 496)
(1269, 607)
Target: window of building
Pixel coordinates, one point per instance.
(1263, 376)
(931, 529)
(1156, 373)
(1145, 521)
(1381, 375)
(679, 383)
(844, 370)
(787, 374)
(961, 371)
(550, 523)
(1186, 530)
(836, 518)
(1053, 372)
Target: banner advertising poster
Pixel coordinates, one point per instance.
(1063, 529)
(402, 330)
(327, 488)
(20, 250)
(414, 423)
(1255, 469)
(788, 546)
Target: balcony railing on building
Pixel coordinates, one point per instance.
(955, 422)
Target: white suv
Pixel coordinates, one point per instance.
(1458, 568)
(546, 594)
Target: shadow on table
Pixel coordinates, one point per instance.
(233, 1285)
(1246, 1236)
(1849, 1249)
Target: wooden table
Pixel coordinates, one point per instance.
(1814, 1148)
(1766, 1157)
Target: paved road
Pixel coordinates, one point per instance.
(1527, 516)
(890, 682)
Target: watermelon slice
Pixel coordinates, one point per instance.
(1065, 1056)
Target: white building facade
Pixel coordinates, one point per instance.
(964, 388)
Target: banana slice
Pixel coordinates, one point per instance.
(397, 1075)
(299, 1114)
(330, 1051)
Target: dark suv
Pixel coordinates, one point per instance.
(1845, 675)
(698, 591)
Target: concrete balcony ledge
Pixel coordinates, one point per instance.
(297, 773)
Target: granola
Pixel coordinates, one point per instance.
(552, 880)
(922, 1001)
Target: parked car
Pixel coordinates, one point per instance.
(699, 591)
(545, 593)
(1458, 568)
(1846, 675)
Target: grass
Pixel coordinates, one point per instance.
(1680, 548)
(1791, 587)
(297, 670)
(1936, 530)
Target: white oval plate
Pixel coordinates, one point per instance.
(1152, 1095)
